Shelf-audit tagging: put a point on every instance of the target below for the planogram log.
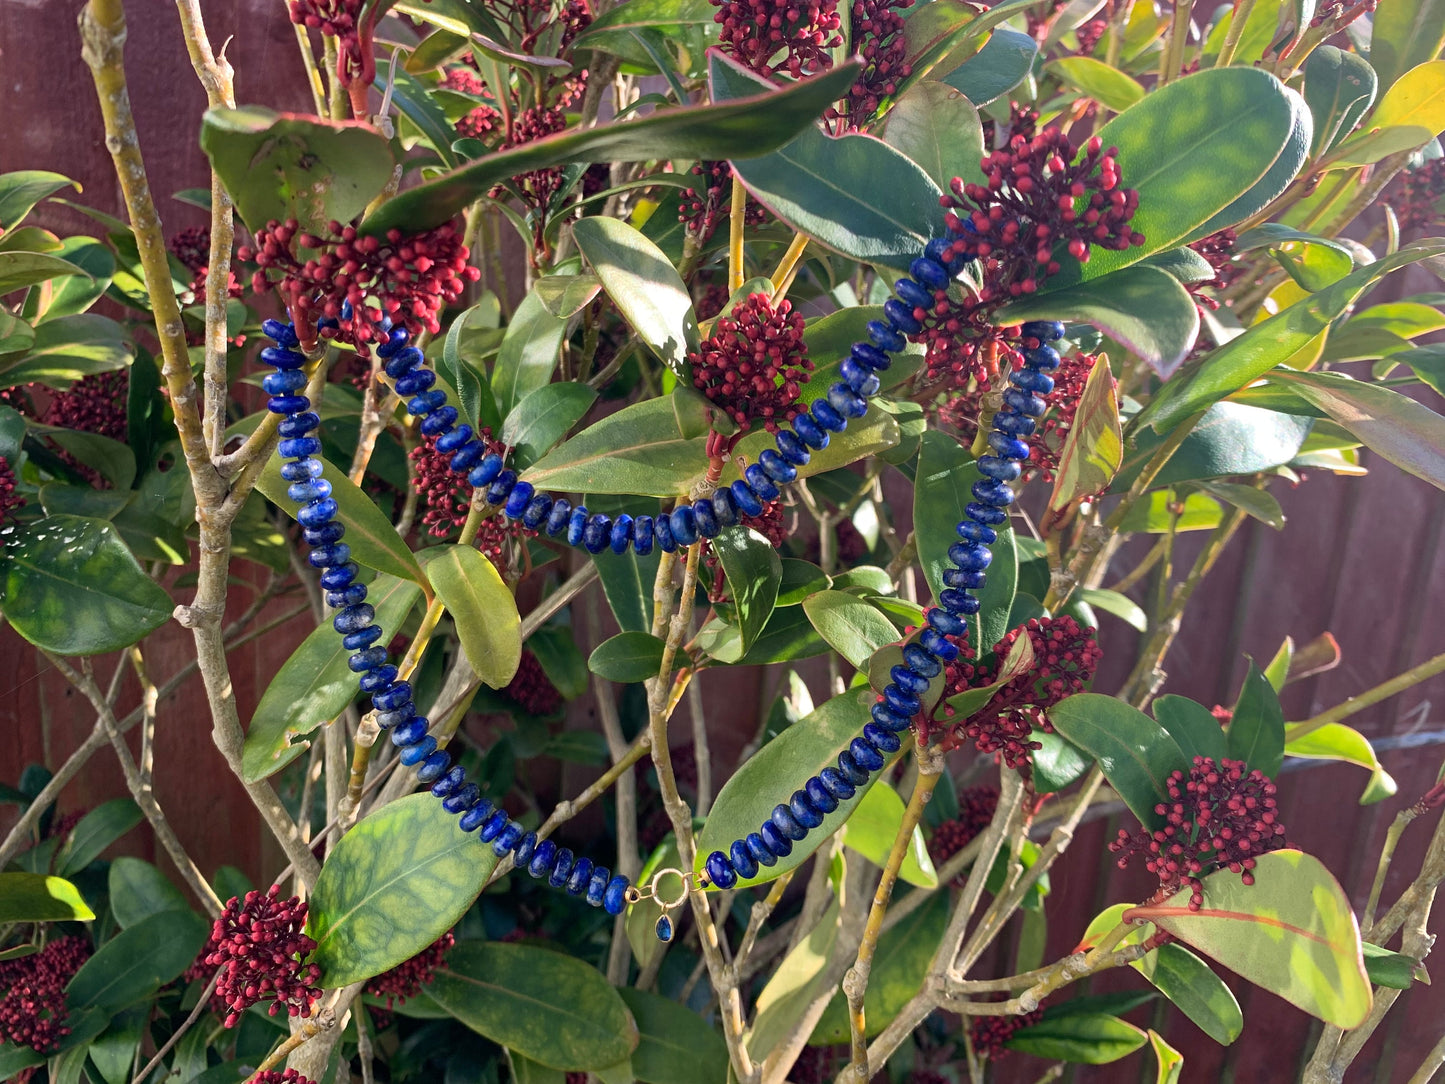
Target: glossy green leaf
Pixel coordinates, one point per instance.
(138, 961)
(67, 349)
(1058, 764)
(1339, 87)
(1291, 932)
(96, 831)
(22, 189)
(796, 983)
(780, 767)
(528, 354)
(1392, 969)
(373, 540)
(113, 1051)
(550, 1007)
(1134, 752)
(872, 829)
(1169, 1061)
(33, 897)
(1230, 439)
(996, 597)
(675, 1045)
(853, 628)
(469, 378)
(1336, 741)
(315, 685)
(1183, 263)
(1258, 503)
(543, 418)
(873, 434)
(940, 492)
(1112, 602)
(617, 31)
(21, 269)
(1086, 1038)
(413, 102)
(139, 890)
(1195, 989)
(395, 883)
(70, 585)
(627, 657)
(853, 194)
(284, 165)
(751, 125)
(1256, 730)
(938, 128)
(754, 572)
(1192, 726)
(483, 609)
(643, 449)
(1108, 86)
(1094, 446)
(1409, 114)
(800, 579)
(1313, 262)
(1002, 64)
(644, 286)
(1404, 34)
(1286, 166)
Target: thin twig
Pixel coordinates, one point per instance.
(1383, 691)
(321, 1021)
(200, 1007)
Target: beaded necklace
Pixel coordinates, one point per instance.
(791, 821)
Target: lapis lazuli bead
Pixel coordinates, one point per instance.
(1031, 380)
(577, 525)
(776, 467)
(324, 535)
(759, 482)
(759, 850)
(597, 532)
(1024, 402)
(284, 334)
(998, 468)
(517, 500)
(901, 701)
(426, 402)
(885, 337)
(439, 421)
(522, 853)
(642, 535)
(970, 556)
(684, 525)
(353, 618)
(597, 884)
(820, 796)
(744, 497)
(334, 579)
(448, 443)
(621, 536)
(920, 661)
(996, 494)
(828, 416)
(723, 508)
(720, 870)
(810, 432)
(1014, 424)
(543, 858)
(969, 581)
(477, 813)
(557, 518)
(901, 317)
(836, 785)
(337, 553)
(394, 342)
(283, 358)
(742, 860)
(784, 821)
(314, 490)
(804, 812)
(866, 754)
(887, 718)
(985, 513)
(581, 874)
(536, 511)
(850, 770)
(370, 659)
(791, 448)
(377, 680)
(614, 896)
(462, 795)
(1006, 446)
(774, 840)
(496, 824)
(298, 425)
(858, 377)
(937, 249)
(287, 404)
(1043, 358)
(706, 519)
(397, 716)
(298, 447)
(448, 782)
(913, 294)
(506, 839)
(870, 356)
(931, 273)
(433, 766)
(410, 732)
(468, 456)
(970, 531)
(1045, 330)
(392, 698)
(959, 602)
(562, 864)
(415, 382)
(501, 487)
(361, 638)
(948, 624)
(846, 401)
(938, 645)
(402, 361)
(662, 529)
(282, 381)
(882, 739)
(485, 472)
(415, 754)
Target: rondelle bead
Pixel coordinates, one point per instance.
(908, 681)
(1043, 358)
(433, 766)
(361, 638)
(426, 402)
(298, 447)
(378, 679)
(597, 532)
(759, 482)
(970, 531)
(819, 796)
(448, 443)
(370, 659)
(1006, 446)
(562, 864)
(1045, 330)
(415, 382)
(846, 401)
(353, 618)
(501, 487)
(462, 797)
(577, 525)
(467, 456)
(870, 356)
(959, 602)
(642, 535)
(936, 248)
(684, 525)
(395, 341)
(522, 853)
(1014, 424)
(887, 718)
(287, 404)
(720, 870)
(884, 740)
(485, 472)
(325, 534)
(705, 517)
(784, 821)
(938, 645)
(850, 769)
(998, 468)
(439, 421)
(901, 317)
(543, 858)
(495, 825)
(948, 624)
(409, 732)
(313, 490)
(996, 494)
(866, 754)
(662, 529)
(759, 850)
(900, 701)
(476, 814)
(393, 697)
(337, 553)
(298, 425)
(507, 838)
(284, 334)
(836, 785)
(804, 811)
(1032, 380)
(970, 556)
(969, 581)
(597, 884)
(415, 754)
(614, 896)
(1024, 402)
(405, 359)
(742, 860)
(403, 713)
(791, 448)
(746, 500)
(828, 416)
(885, 337)
(557, 518)
(913, 295)
(448, 784)
(334, 579)
(774, 840)
(920, 661)
(581, 874)
(518, 499)
(985, 514)
(929, 272)
(859, 377)
(776, 467)
(810, 432)
(621, 536)
(723, 508)
(283, 381)
(536, 511)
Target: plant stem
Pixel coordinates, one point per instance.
(202, 1004)
(1242, 11)
(736, 273)
(787, 268)
(1171, 62)
(1383, 691)
(312, 1026)
(1431, 1065)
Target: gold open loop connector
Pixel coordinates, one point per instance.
(687, 882)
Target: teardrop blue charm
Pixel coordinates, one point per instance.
(664, 928)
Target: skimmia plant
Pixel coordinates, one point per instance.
(582, 355)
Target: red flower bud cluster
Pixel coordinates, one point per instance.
(259, 944)
(1221, 816)
(989, 1033)
(1048, 440)
(281, 1076)
(484, 119)
(9, 501)
(701, 211)
(1065, 658)
(877, 40)
(755, 363)
(32, 993)
(531, 689)
(754, 32)
(1218, 250)
(342, 20)
(1089, 34)
(713, 300)
(192, 246)
(1417, 196)
(976, 807)
(411, 276)
(94, 404)
(540, 185)
(406, 979)
(445, 498)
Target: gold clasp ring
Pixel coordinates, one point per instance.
(688, 882)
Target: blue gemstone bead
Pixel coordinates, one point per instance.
(282, 358)
(395, 341)
(1031, 380)
(828, 416)
(299, 448)
(948, 624)
(426, 402)
(409, 732)
(846, 401)
(819, 796)
(501, 487)
(642, 535)
(746, 500)
(811, 433)
(684, 525)
(999, 469)
(283, 381)
(337, 553)
(324, 535)
(976, 532)
(784, 821)
(378, 679)
(1046, 330)
(759, 850)
(985, 514)
(536, 511)
(759, 482)
(882, 739)
(518, 499)
(522, 853)
(598, 884)
(353, 618)
(836, 785)
(372, 658)
(969, 581)
(496, 824)
(298, 425)
(804, 812)
(776, 467)
(720, 870)
(970, 556)
(402, 361)
(392, 698)
(1024, 402)
(507, 838)
(577, 525)
(467, 457)
(901, 317)
(936, 644)
(314, 490)
(662, 528)
(791, 448)
(316, 514)
(908, 681)
(849, 769)
(448, 443)
(706, 519)
(557, 518)
(931, 273)
(614, 896)
(287, 404)
(596, 533)
(959, 602)
(362, 638)
(900, 701)
(1015, 425)
(462, 797)
(475, 813)
(774, 840)
(347, 596)
(995, 494)
(561, 867)
(415, 754)
(433, 766)
(886, 717)
(920, 661)
(415, 382)
(284, 334)
(543, 859)
(885, 337)
(937, 249)
(621, 533)
(1043, 358)
(723, 508)
(439, 421)
(581, 874)
(913, 295)
(742, 860)
(397, 716)
(869, 355)
(334, 579)
(1007, 446)
(448, 783)
(859, 377)
(866, 754)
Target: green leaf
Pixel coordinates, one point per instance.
(938, 129)
(1094, 446)
(1339, 87)
(1336, 741)
(940, 492)
(688, 22)
(21, 269)
(752, 125)
(139, 890)
(138, 961)
(1170, 1062)
(1258, 503)
(1002, 64)
(315, 685)
(31, 897)
(627, 657)
(754, 572)
(71, 586)
(627, 580)
(674, 1045)
(996, 597)
(1315, 263)
(69, 348)
(543, 418)
(1183, 263)
(1392, 969)
(796, 983)
(96, 831)
(395, 883)
(1256, 731)
(1192, 726)
(1087, 1038)
(873, 827)
(1058, 764)
(419, 107)
(22, 189)
(642, 450)
(1195, 989)
(1405, 34)
(853, 627)
(528, 353)
(474, 392)
(1231, 438)
(286, 165)
(550, 1007)
(1291, 932)
(900, 967)
(784, 764)
(1411, 113)
(1121, 606)
(1134, 752)
(644, 286)
(484, 610)
(1108, 86)
(874, 433)
(113, 1052)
